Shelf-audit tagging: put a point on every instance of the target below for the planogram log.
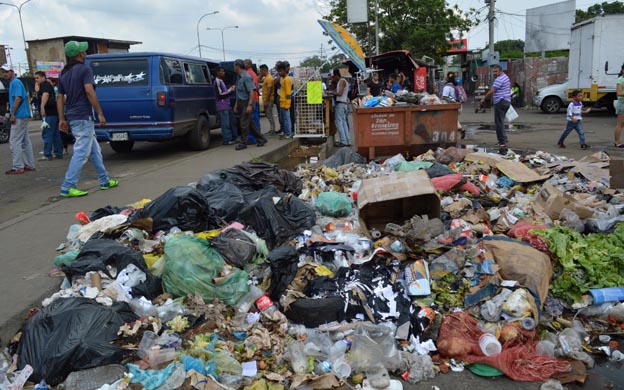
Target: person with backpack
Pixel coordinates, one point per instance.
(451, 94)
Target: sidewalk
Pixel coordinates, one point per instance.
(30, 240)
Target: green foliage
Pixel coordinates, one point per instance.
(604, 8)
(550, 54)
(585, 261)
(422, 26)
(509, 45)
(326, 66)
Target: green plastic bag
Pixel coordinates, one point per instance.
(410, 166)
(192, 265)
(334, 204)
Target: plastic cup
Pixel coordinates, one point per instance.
(489, 345)
(342, 369)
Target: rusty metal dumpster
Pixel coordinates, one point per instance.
(412, 130)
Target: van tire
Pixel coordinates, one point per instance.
(199, 137)
(122, 146)
(551, 105)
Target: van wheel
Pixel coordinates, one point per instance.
(199, 137)
(5, 133)
(122, 146)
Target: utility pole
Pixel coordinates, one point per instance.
(491, 17)
(377, 27)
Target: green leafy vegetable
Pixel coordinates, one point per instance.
(585, 261)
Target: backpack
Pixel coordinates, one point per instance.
(460, 94)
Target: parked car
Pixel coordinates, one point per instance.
(154, 97)
(552, 98)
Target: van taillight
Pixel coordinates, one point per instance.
(161, 99)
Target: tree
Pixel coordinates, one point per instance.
(422, 26)
(315, 61)
(510, 48)
(616, 7)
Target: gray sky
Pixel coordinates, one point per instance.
(269, 30)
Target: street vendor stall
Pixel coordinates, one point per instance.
(408, 129)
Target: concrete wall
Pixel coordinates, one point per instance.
(531, 74)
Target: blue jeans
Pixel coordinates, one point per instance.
(578, 126)
(85, 148)
(52, 138)
(286, 124)
(228, 133)
(500, 109)
(21, 148)
(256, 118)
(342, 122)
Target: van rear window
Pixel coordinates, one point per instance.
(121, 72)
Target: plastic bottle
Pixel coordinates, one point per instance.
(489, 345)
(490, 182)
(249, 299)
(527, 323)
(41, 386)
(265, 305)
(339, 349)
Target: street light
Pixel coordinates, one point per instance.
(203, 16)
(19, 12)
(222, 41)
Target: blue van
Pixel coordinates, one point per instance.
(154, 97)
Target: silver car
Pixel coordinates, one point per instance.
(552, 98)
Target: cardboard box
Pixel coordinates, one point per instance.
(396, 198)
(551, 201)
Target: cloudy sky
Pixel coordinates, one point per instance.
(268, 29)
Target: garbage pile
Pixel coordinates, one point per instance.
(339, 272)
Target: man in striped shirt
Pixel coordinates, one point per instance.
(501, 98)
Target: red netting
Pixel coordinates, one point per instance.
(518, 359)
(521, 363)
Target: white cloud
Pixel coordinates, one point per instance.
(268, 29)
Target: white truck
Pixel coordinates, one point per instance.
(596, 56)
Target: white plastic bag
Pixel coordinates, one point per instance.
(511, 114)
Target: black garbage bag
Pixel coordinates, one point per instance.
(72, 334)
(95, 255)
(236, 247)
(438, 170)
(225, 199)
(183, 206)
(276, 217)
(284, 267)
(105, 212)
(342, 157)
(253, 176)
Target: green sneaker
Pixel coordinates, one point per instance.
(73, 193)
(111, 184)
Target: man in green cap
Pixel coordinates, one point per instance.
(76, 102)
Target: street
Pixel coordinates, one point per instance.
(34, 220)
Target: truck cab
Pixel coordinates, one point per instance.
(154, 97)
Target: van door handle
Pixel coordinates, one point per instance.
(146, 91)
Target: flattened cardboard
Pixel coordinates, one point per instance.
(519, 172)
(396, 198)
(551, 201)
(616, 174)
(488, 158)
(593, 171)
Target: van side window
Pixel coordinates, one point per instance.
(119, 73)
(171, 71)
(196, 73)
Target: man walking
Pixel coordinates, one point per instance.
(49, 127)
(21, 148)
(77, 91)
(342, 108)
(268, 95)
(501, 97)
(244, 106)
(224, 108)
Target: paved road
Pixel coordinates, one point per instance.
(34, 220)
